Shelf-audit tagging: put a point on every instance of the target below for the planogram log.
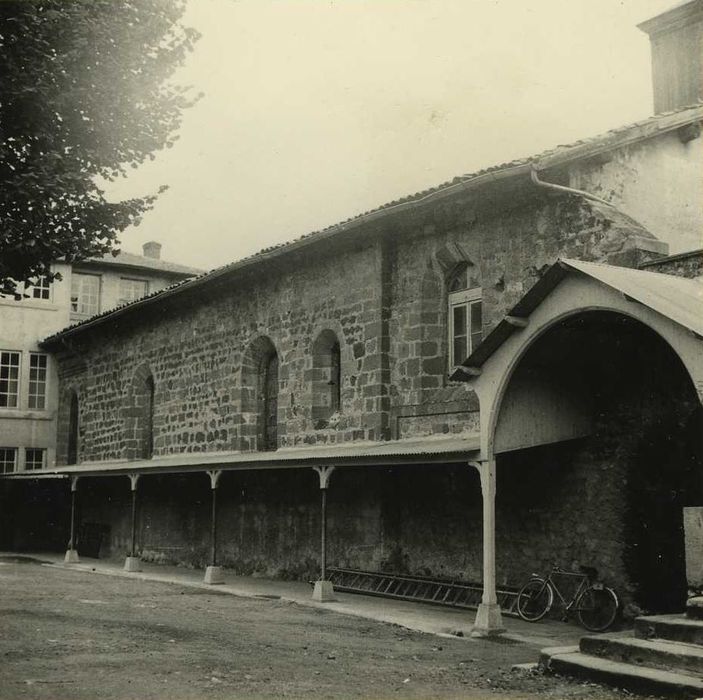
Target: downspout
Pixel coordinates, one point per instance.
(567, 190)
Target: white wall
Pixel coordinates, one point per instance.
(658, 182)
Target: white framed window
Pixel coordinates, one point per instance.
(34, 458)
(85, 294)
(9, 379)
(38, 365)
(8, 460)
(132, 289)
(40, 289)
(464, 314)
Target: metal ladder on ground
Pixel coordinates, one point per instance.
(457, 594)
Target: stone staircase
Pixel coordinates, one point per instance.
(663, 657)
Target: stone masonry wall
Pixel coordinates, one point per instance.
(386, 303)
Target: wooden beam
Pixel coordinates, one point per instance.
(467, 371)
(517, 321)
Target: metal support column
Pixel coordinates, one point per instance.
(71, 556)
(323, 590)
(488, 617)
(213, 573)
(132, 562)
(323, 533)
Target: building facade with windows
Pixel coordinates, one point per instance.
(481, 379)
(28, 375)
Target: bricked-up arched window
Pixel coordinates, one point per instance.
(139, 426)
(326, 378)
(464, 319)
(72, 442)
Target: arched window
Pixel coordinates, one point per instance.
(140, 426)
(259, 396)
(268, 402)
(147, 419)
(465, 320)
(326, 378)
(72, 448)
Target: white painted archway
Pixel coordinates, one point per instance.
(575, 295)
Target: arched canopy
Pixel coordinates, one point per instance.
(670, 308)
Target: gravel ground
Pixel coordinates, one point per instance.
(73, 635)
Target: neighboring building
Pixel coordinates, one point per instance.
(404, 347)
(28, 376)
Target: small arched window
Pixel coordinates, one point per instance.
(72, 447)
(465, 318)
(147, 437)
(268, 402)
(326, 378)
(143, 389)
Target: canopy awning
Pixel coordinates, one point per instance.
(427, 450)
(676, 298)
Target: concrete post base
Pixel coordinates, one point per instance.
(489, 621)
(323, 592)
(213, 575)
(71, 557)
(132, 564)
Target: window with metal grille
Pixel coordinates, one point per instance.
(34, 458)
(9, 379)
(37, 381)
(8, 460)
(40, 289)
(465, 317)
(131, 289)
(85, 294)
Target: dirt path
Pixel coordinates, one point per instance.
(71, 635)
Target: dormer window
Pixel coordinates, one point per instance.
(465, 320)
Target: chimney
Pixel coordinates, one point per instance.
(152, 249)
(676, 38)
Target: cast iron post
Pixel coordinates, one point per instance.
(214, 483)
(71, 556)
(323, 588)
(72, 540)
(323, 557)
(134, 480)
(214, 573)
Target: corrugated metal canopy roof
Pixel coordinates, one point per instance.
(677, 298)
(360, 453)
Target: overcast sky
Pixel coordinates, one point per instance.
(317, 110)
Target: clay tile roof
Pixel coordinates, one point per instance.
(124, 259)
(583, 148)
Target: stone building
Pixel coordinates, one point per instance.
(496, 369)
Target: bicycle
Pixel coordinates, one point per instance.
(596, 606)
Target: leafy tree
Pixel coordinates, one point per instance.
(86, 91)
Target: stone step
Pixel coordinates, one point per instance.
(638, 679)
(694, 608)
(653, 653)
(677, 628)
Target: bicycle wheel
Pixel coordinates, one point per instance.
(534, 600)
(597, 608)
